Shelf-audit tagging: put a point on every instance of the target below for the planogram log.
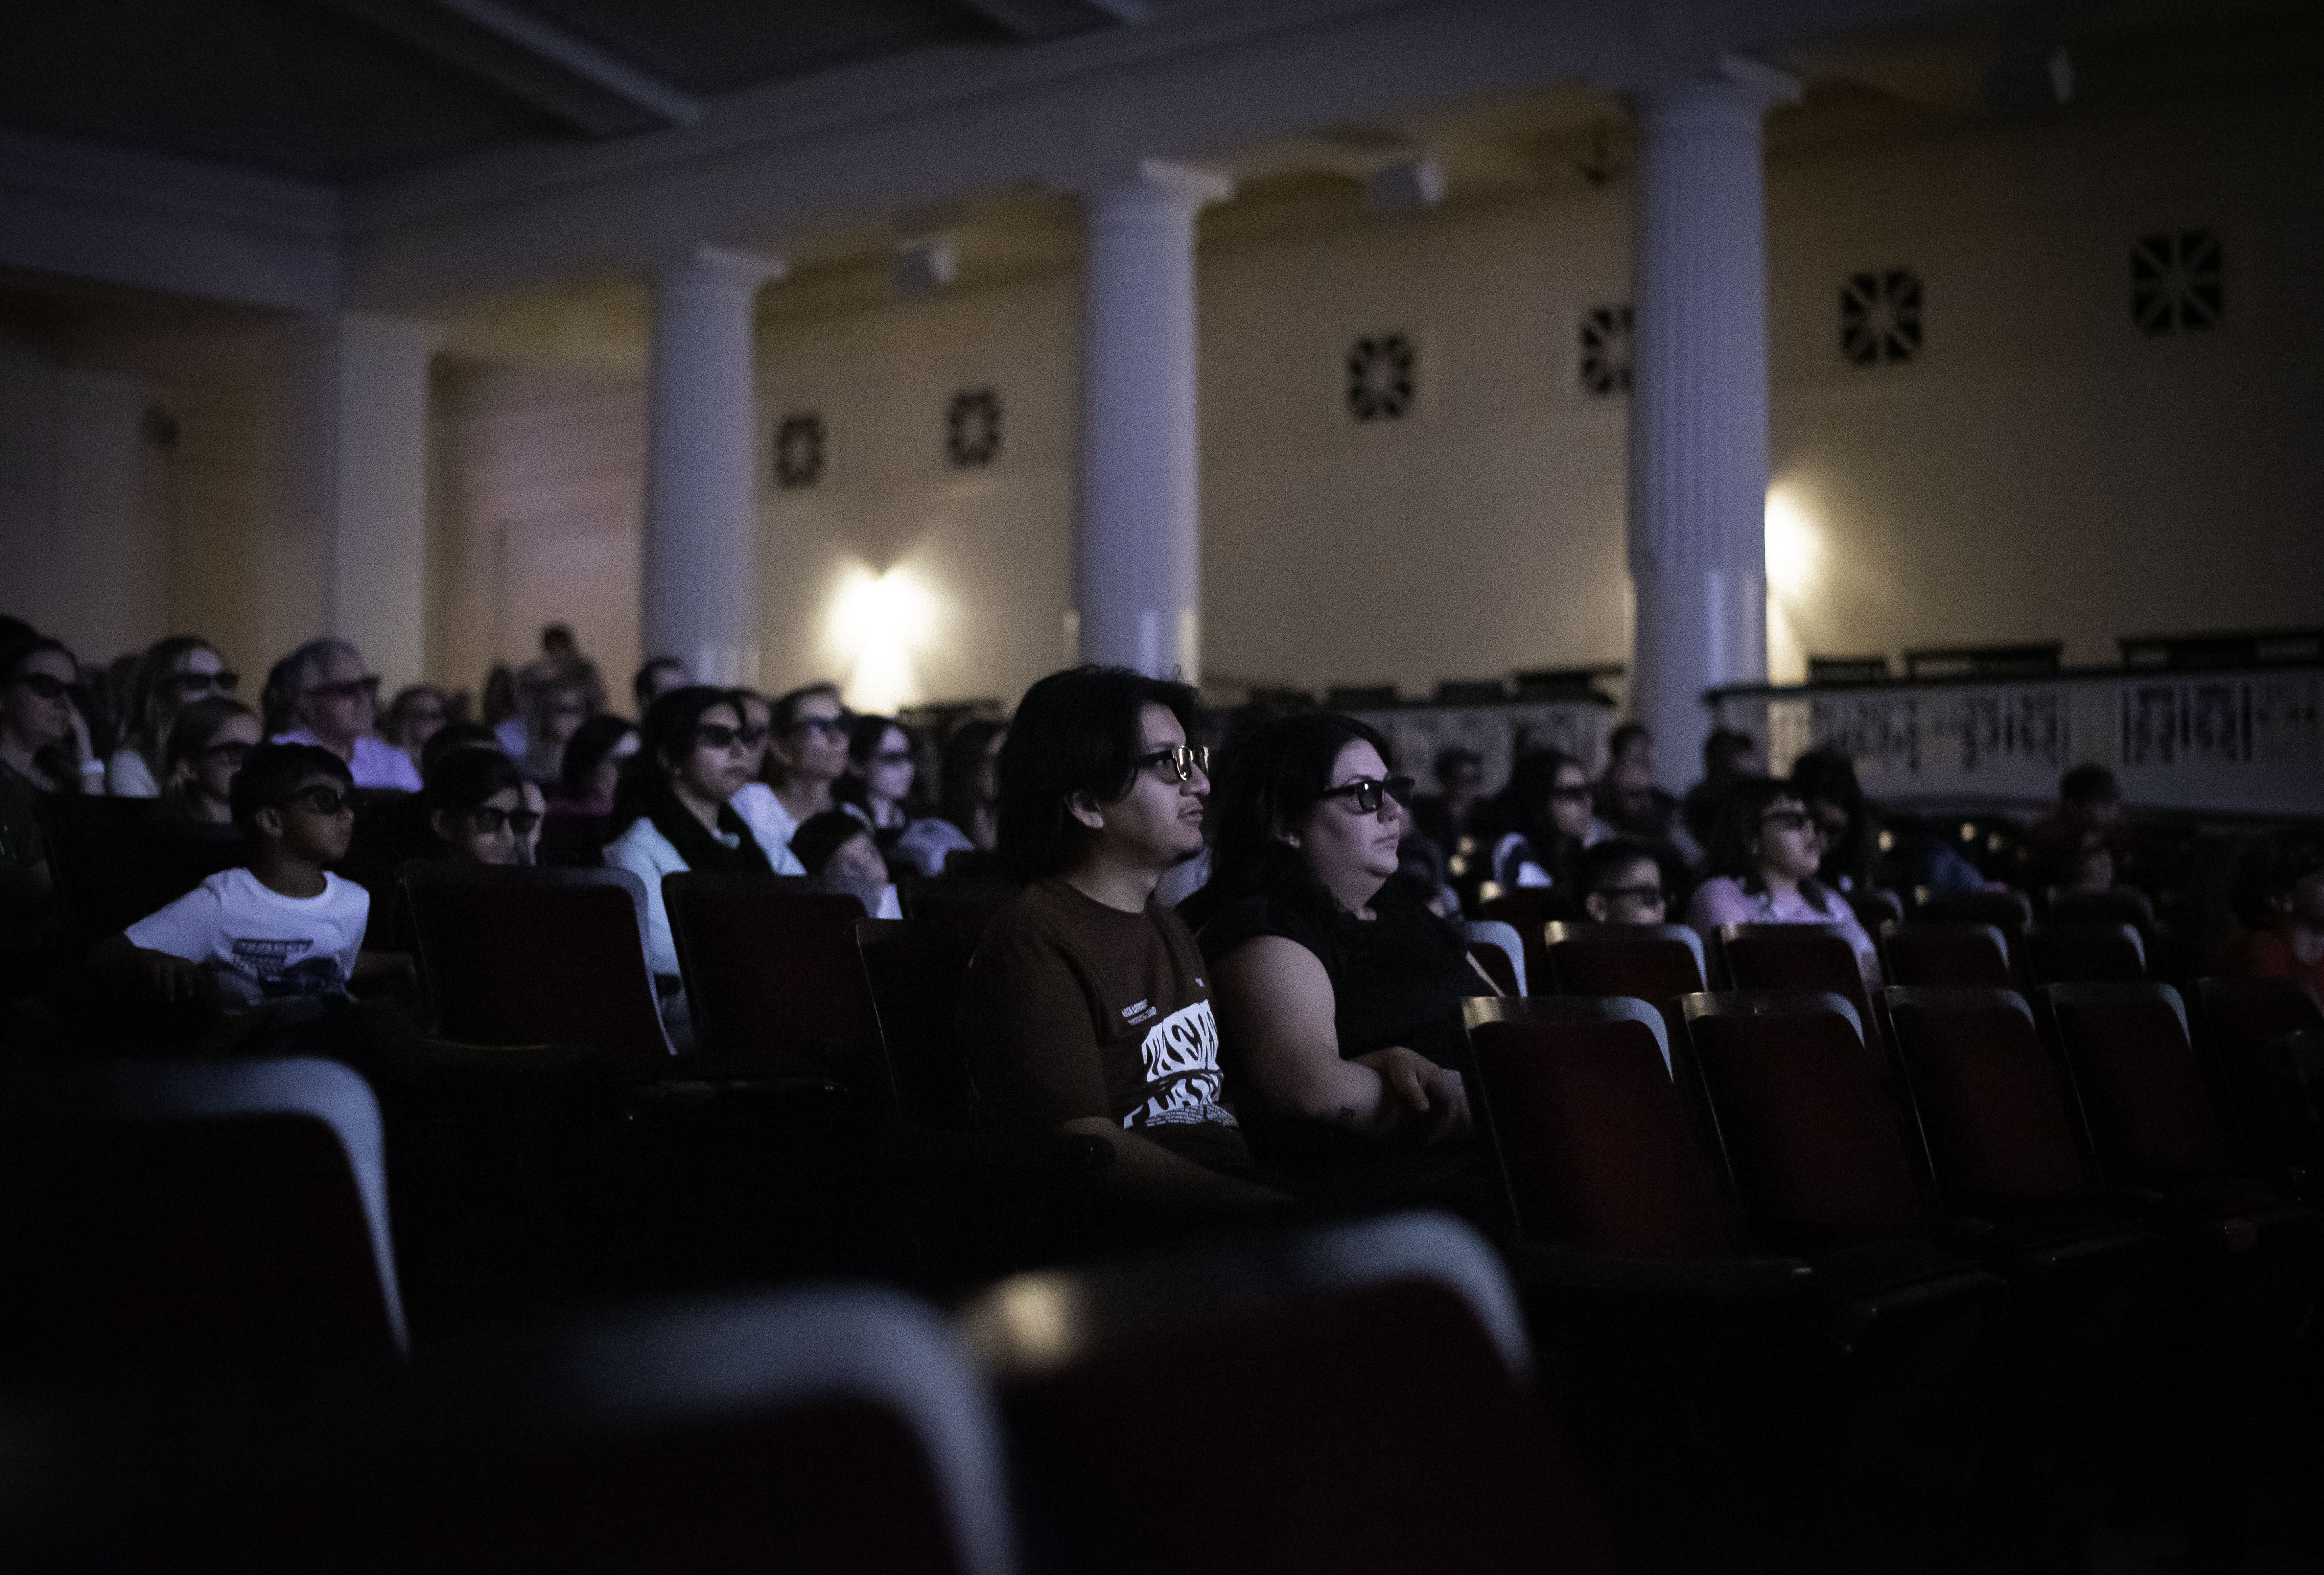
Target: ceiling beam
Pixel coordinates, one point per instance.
(1027, 20)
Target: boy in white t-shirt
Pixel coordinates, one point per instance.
(284, 929)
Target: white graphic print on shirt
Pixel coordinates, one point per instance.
(1182, 1068)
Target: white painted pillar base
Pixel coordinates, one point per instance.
(372, 378)
(700, 601)
(1699, 397)
(1137, 557)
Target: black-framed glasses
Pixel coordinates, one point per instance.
(364, 688)
(1790, 820)
(234, 751)
(488, 818)
(717, 735)
(1650, 896)
(1181, 761)
(890, 758)
(320, 799)
(1368, 791)
(219, 683)
(46, 685)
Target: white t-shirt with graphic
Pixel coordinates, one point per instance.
(259, 944)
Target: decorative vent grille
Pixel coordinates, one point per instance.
(1880, 317)
(798, 451)
(1606, 349)
(1379, 378)
(973, 428)
(2177, 284)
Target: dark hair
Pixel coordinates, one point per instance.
(1619, 739)
(590, 742)
(13, 659)
(557, 634)
(272, 773)
(864, 736)
(1600, 862)
(638, 684)
(819, 836)
(453, 736)
(667, 731)
(2090, 783)
(1522, 806)
(463, 780)
(1828, 776)
(962, 763)
(2268, 870)
(1731, 841)
(1273, 780)
(1722, 749)
(14, 630)
(784, 717)
(193, 728)
(1448, 760)
(1074, 732)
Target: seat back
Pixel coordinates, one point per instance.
(1283, 1404)
(573, 840)
(1501, 952)
(1934, 956)
(916, 969)
(1800, 1118)
(966, 900)
(2249, 1026)
(1660, 964)
(519, 956)
(1527, 909)
(159, 1217)
(113, 863)
(2010, 912)
(2085, 955)
(1579, 1106)
(2125, 904)
(2143, 1095)
(1986, 1095)
(821, 1432)
(1876, 906)
(773, 977)
(1780, 957)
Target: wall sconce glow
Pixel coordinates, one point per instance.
(1795, 546)
(878, 625)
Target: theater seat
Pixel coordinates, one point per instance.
(1947, 956)
(1528, 910)
(773, 980)
(113, 863)
(2266, 1036)
(1500, 952)
(162, 1219)
(2085, 953)
(1655, 964)
(1792, 957)
(2010, 912)
(1342, 1401)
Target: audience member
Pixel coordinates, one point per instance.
(1621, 882)
(1339, 993)
(1538, 822)
(806, 753)
(1633, 803)
(283, 931)
(967, 816)
(592, 765)
(560, 662)
(657, 678)
(455, 735)
(413, 717)
(2278, 897)
(836, 851)
(477, 811)
(672, 812)
(44, 741)
(501, 705)
(2089, 810)
(1825, 781)
(1726, 756)
(172, 673)
(209, 742)
(1442, 816)
(332, 699)
(880, 775)
(536, 740)
(1764, 863)
(1085, 1009)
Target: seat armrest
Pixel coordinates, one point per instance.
(1741, 1280)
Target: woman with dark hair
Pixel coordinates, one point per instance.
(1825, 781)
(967, 816)
(672, 811)
(592, 765)
(879, 773)
(172, 673)
(1339, 993)
(1537, 825)
(477, 811)
(1763, 859)
(43, 737)
(207, 743)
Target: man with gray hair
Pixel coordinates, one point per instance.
(330, 699)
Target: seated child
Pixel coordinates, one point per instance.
(283, 931)
(839, 851)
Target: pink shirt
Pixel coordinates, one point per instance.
(1722, 901)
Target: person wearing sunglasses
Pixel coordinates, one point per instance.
(209, 742)
(1621, 882)
(805, 754)
(1537, 826)
(1338, 992)
(333, 699)
(672, 811)
(477, 809)
(1764, 860)
(173, 674)
(44, 741)
(417, 713)
(1086, 1010)
(282, 930)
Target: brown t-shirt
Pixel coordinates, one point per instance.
(1075, 1009)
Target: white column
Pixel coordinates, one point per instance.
(372, 405)
(701, 578)
(1699, 397)
(1138, 546)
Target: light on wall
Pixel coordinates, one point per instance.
(1795, 570)
(877, 624)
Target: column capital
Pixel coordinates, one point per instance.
(708, 264)
(1169, 180)
(1728, 81)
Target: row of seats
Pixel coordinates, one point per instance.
(1170, 1412)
